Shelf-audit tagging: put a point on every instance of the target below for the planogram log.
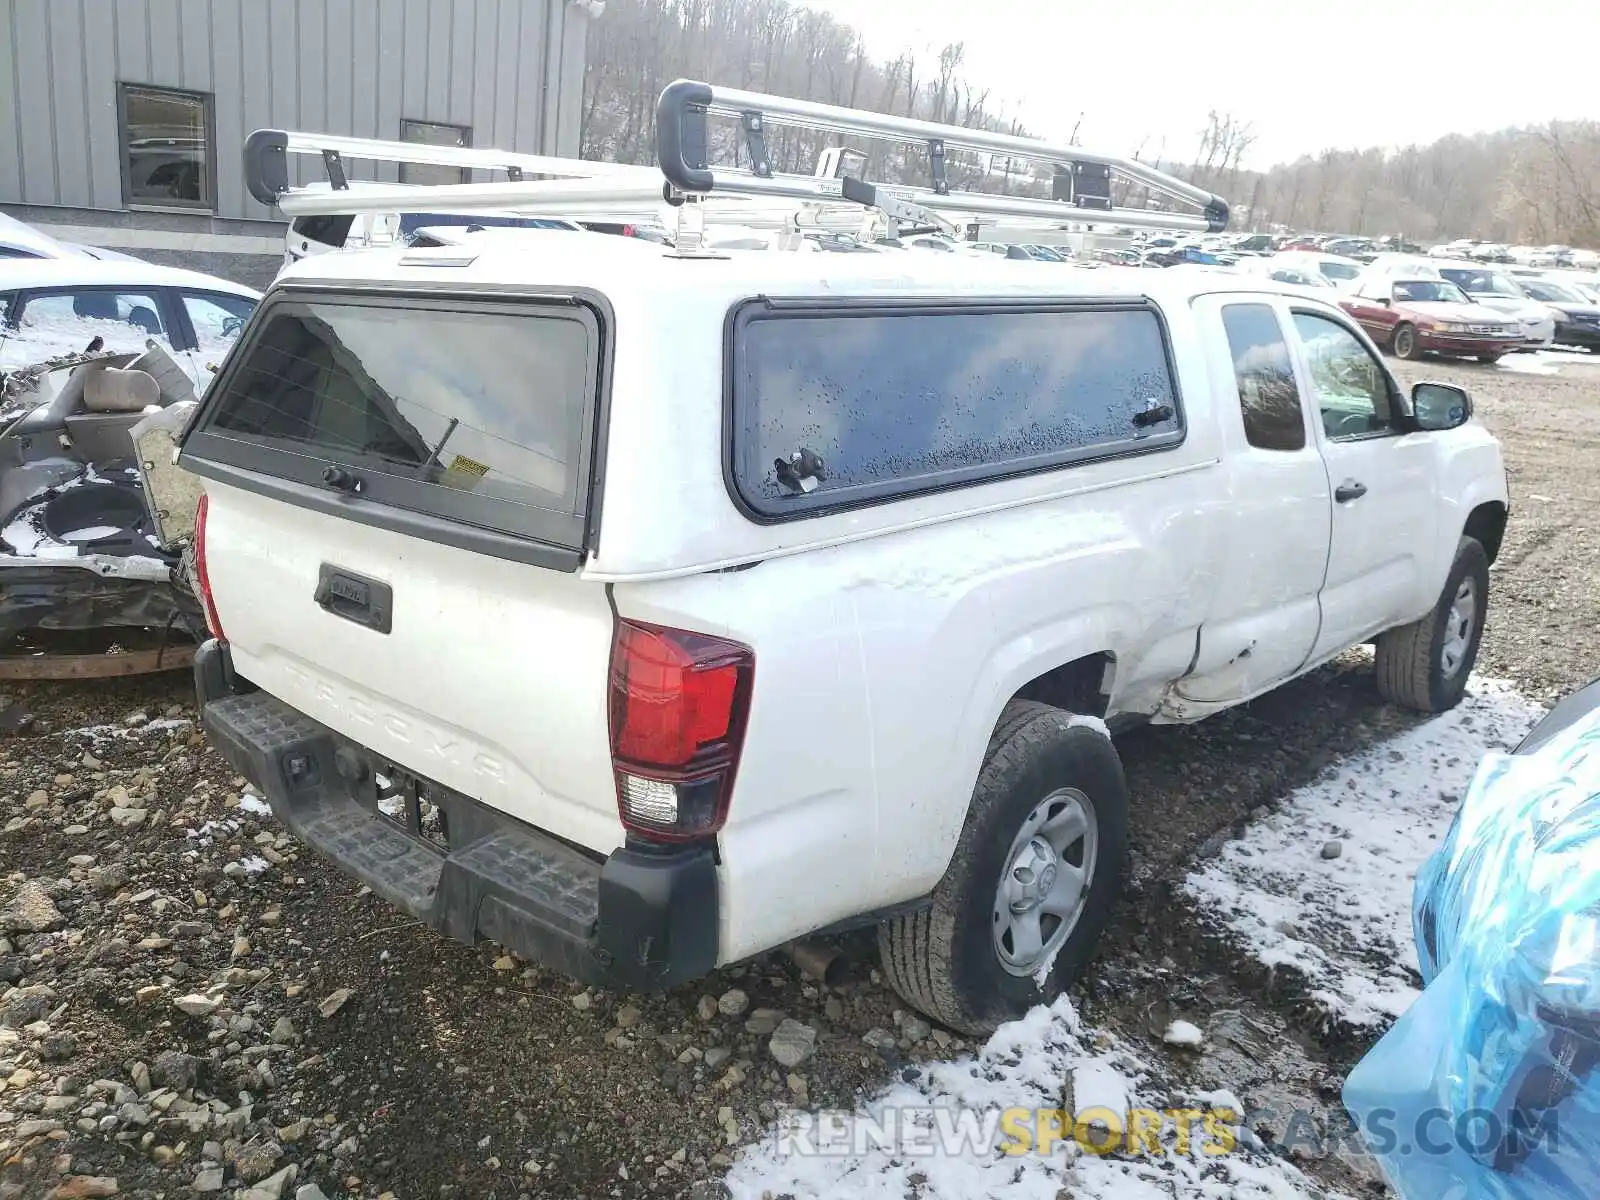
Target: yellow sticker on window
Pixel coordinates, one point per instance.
(462, 463)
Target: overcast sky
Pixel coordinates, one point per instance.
(1307, 75)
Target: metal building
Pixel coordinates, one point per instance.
(127, 118)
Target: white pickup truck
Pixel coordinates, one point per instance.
(645, 610)
(683, 607)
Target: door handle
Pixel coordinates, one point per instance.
(1349, 490)
(356, 598)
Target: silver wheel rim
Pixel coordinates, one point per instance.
(1459, 620)
(1402, 343)
(1045, 881)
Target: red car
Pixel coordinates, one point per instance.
(1413, 317)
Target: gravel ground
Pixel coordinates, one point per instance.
(191, 1005)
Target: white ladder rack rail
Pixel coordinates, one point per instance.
(683, 178)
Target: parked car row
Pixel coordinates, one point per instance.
(1530, 256)
(1414, 304)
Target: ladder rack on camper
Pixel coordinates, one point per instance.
(685, 183)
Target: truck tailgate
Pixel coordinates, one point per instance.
(397, 491)
(491, 678)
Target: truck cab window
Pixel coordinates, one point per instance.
(1353, 392)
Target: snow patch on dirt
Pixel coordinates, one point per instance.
(254, 805)
(1030, 1064)
(1537, 363)
(1344, 921)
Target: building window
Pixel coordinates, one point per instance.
(169, 150)
(433, 133)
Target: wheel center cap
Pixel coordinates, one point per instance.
(1033, 876)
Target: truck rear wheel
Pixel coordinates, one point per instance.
(1030, 887)
(1425, 665)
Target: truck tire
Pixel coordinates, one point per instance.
(1030, 886)
(1488, 360)
(1404, 342)
(1425, 665)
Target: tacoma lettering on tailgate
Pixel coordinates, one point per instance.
(431, 744)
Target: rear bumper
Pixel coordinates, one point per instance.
(641, 918)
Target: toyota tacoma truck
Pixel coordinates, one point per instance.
(643, 611)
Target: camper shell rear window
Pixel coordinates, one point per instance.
(896, 398)
(443, 416)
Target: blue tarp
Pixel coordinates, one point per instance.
(1488, 1088)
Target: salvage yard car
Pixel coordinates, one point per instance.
(644, 610)
(80, 547)
(1578, 322)
(1495, 290)
(50, 307)
(87, 349)
(1413, 317)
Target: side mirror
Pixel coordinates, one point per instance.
(1437, 406)
(1382, 301)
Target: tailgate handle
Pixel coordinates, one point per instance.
(367, 602)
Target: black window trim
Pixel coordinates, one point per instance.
(208, 107)
(758, 308)
(259, 469)
(1397, 427)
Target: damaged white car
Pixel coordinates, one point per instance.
(90, 350)
(82, 546)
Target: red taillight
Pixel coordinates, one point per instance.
(630, 231)
(678, 707)
(202, 576)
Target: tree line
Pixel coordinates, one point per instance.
(1531, 186)
(1536, 185)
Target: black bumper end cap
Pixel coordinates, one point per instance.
(213, 671)
(658, 915)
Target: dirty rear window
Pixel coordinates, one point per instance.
(472, 412)
(898, 400)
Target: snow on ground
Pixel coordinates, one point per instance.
(1345, 922)
(254, 805)
(1538, 363)
(1547, 362)
(942, 1136)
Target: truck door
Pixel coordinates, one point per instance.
(1264, 619)
(1385, 499)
